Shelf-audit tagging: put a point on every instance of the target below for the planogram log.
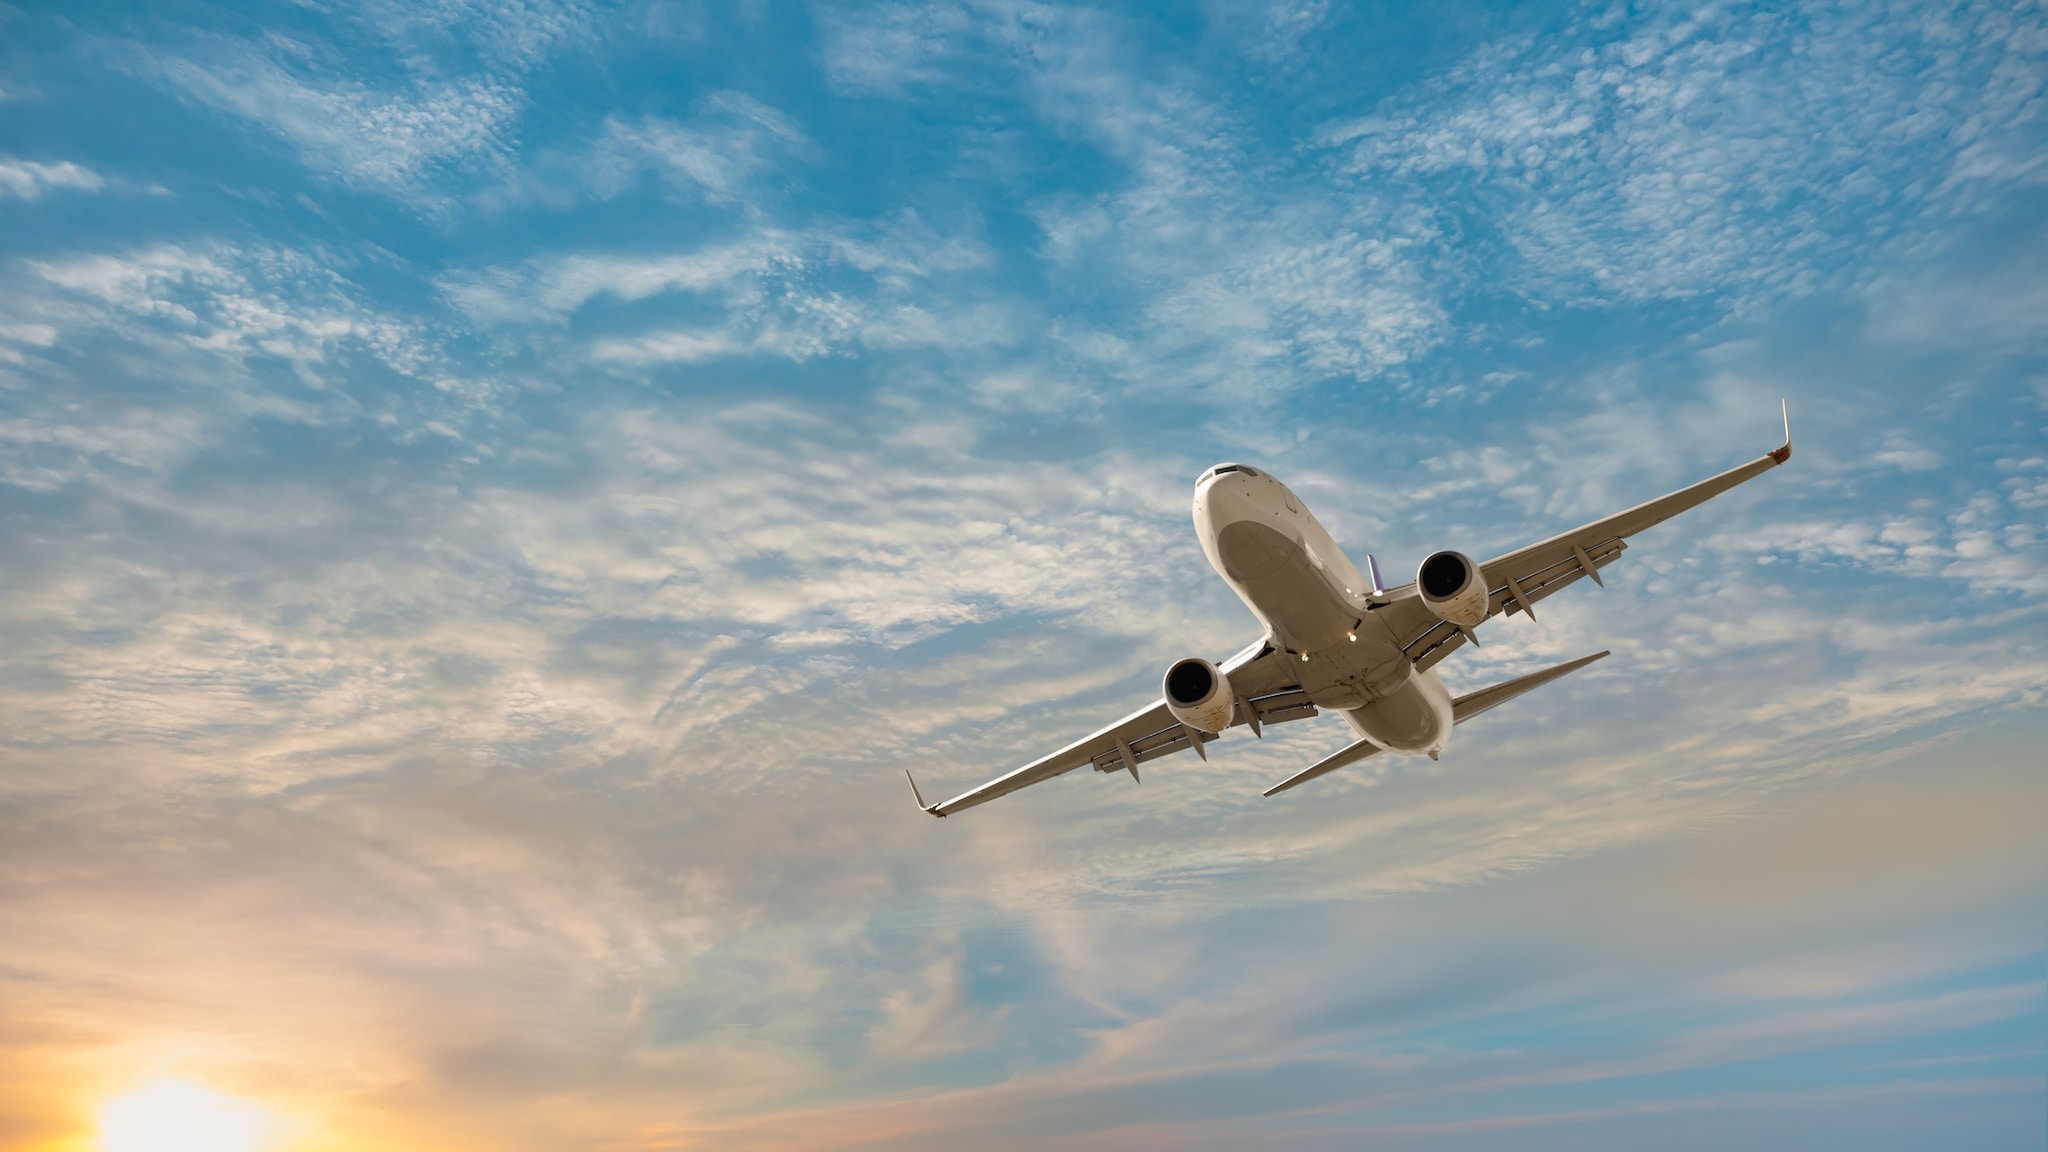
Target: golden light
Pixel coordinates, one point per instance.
(180, 1116)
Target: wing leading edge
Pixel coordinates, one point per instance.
(1518, 579)
(1266, 694)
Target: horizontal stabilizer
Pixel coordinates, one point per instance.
(1473, 703)
(1350, 755)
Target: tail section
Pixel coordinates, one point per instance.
(1473, 703)
(1352, 754)
(1462, 709)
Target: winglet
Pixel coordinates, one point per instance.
(1785, 453)
(1372, 573)
(921, 805)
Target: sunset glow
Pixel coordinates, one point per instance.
(179, 1116)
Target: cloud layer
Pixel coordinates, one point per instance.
(483, 536)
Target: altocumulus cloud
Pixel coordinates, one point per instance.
(481, 544)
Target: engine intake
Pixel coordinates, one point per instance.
(1453, 587)
(1198, 694)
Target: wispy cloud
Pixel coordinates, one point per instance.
(1989, 543)
(476, 565)
(268, 301)
(893, 46)
(387, 141)
(28, 179)
(1678, 153)
(730, 139)
(454, 105)
(798, 295)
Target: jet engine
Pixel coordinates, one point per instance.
(1453, 587)
(1198, 694)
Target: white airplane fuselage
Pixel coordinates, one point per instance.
(1336, 639)
(1314, 604)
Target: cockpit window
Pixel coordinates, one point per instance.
(1220, 469)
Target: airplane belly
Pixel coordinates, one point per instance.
(1415, 717)
(1273, 575)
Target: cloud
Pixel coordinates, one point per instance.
(29, 179)
(1727, 159)
(1989, 543)
(1244, 293)
(1969, 307)
(458, 685)
(255, 301)
(892, 46)
(1238, 283)
(449, 101)
(559, 286)
(792, 294)
(1674, 154)
(732, 137)
(386, 141)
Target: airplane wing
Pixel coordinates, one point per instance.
(1266, 694)
(1520, 578)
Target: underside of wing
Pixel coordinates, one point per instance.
(1438, 638)
(1266, 694)
(1517, 580)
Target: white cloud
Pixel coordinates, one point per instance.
(794, 294)
(384, 140)
(541, 745)
(1973, 307)
(451, 103)
(1681, 153)
(1244, 285)
(1903, 452)
(557, 797)
(222, 335)
(1247, 285)
(893, 46)
(566, 284)
(670, 348)
(1991, 544)
(730, 139)
(28, 179)
(245, 301)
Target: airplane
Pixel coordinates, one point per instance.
(1336, 640)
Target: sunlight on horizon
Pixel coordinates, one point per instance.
(173, 1115)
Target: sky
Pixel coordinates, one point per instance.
(493, 496)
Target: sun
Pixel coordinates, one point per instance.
(180, 1116)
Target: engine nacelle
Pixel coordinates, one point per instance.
(1198, 694)
(1453, 587)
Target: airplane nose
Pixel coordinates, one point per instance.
(1249, 550)
(1222, 499)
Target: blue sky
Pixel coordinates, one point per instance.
(493, 495)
